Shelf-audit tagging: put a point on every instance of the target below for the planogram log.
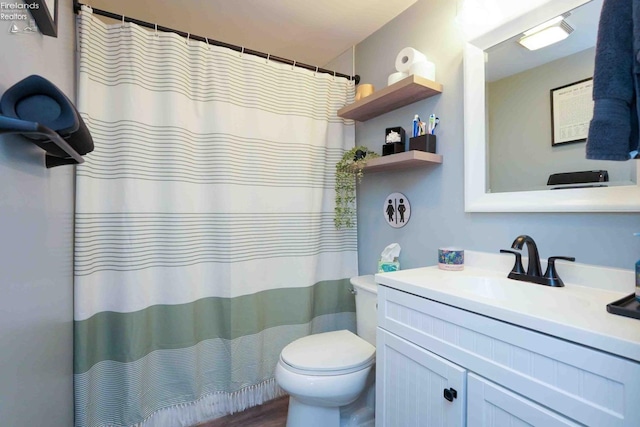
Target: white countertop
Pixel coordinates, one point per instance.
(576, 313)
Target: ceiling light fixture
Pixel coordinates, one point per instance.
(546, 34)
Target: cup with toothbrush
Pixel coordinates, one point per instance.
(424, 138)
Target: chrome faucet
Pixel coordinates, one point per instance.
(533, 273)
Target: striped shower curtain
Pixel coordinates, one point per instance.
(204, 225)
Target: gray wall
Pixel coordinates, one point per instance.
(522, 157)
(342, 63)
(36, 225)
(436, 193)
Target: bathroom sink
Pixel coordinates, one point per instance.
(504, 289)
(486, 287)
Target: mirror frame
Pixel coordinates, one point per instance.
(46, 18)
(476, 199)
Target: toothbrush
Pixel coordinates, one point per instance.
(433, 123)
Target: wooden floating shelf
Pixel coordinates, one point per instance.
(408, 159)
(405, 92)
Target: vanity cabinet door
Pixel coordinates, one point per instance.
(490, 405)
(416, 388)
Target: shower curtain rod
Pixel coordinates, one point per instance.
(77, 5)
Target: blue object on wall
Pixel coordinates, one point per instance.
(35, 108)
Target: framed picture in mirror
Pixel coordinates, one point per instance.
(571, 112)
(45, 13)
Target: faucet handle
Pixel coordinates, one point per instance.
(517, 267)
(551, 274)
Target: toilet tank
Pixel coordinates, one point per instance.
(366, 292)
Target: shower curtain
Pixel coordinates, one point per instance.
(204, 225)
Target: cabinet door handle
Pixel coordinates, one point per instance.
(450, 394)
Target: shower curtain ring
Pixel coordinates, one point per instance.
(187, 41)
(208, 45)
(294, 65)
(122, 21)
(241, 52)
(268, 56)
(316, 73)
(334, 74)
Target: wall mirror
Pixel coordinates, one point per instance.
(510, 150)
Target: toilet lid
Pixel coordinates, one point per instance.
(329, 351)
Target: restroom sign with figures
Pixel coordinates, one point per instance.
(396, 210)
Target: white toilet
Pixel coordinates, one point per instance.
(327, 371)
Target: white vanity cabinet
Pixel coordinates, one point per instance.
(414, 381)
(493, 406)
(503, 374)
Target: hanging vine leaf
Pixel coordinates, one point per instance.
(348, 170)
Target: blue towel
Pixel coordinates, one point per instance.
(613, 131)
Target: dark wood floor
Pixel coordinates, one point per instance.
(269, 414)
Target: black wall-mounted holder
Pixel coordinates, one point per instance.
(38, 110)
(26, 128)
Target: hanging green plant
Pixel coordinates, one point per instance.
(348, 170)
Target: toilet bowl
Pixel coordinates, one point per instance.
(324, 373)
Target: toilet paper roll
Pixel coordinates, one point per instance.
(408, 56)
(424, 69)
(396, 77)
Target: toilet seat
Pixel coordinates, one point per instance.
(329, 353)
